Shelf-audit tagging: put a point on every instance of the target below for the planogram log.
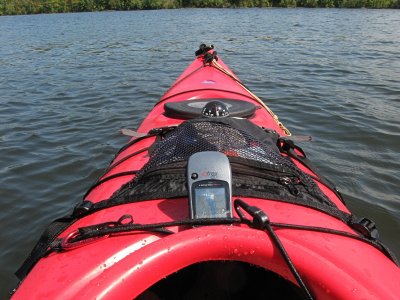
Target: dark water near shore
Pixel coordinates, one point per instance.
(69, 82)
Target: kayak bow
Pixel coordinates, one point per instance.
(211, 198)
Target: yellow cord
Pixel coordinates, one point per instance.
(274, 116)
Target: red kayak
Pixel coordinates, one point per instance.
(210, 199)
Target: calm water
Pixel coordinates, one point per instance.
(69, 82)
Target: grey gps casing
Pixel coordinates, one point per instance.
(209, 179)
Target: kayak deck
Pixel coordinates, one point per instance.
(152, 249)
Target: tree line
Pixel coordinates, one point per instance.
(19, 7)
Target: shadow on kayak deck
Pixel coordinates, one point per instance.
(222, 280)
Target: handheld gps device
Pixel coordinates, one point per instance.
(209, 179)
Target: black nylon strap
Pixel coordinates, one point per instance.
(288, 147)
(40, 250)
(60, 224)
(240, 190)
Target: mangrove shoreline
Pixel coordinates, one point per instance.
(23, 7)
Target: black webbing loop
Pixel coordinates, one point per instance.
(261, 221)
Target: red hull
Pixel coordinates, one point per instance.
(123, 266)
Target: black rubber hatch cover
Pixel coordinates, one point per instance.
(192, 108)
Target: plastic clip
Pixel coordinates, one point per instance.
(260, 218)
(366, 227)
(82, 208)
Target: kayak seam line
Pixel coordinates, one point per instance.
(208, 89)
(179, 81)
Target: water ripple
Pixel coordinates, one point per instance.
(69, 82)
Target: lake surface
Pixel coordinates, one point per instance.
(69, 82)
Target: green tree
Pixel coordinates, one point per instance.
(307, 3)
(326, 3)
(288, 3)
(10, 7)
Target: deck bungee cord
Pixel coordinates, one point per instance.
(49, 243)
(125, 224)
